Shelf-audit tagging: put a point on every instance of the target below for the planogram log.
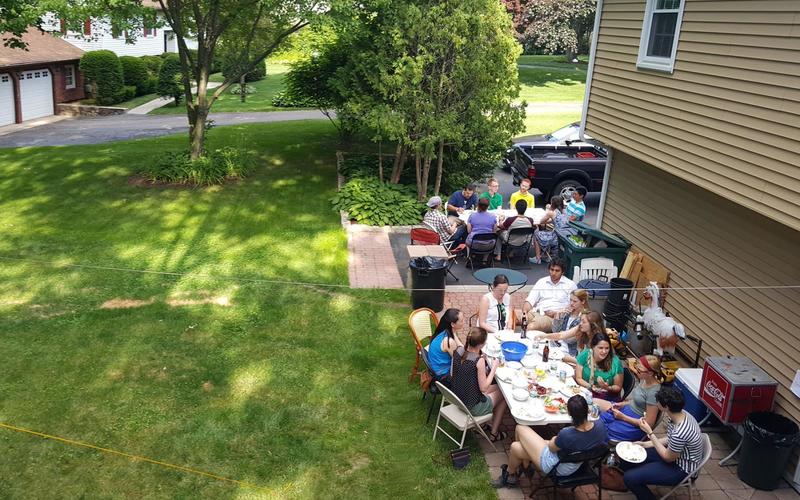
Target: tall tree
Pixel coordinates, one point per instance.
(252, 30)
(555, 26)
(433, 74)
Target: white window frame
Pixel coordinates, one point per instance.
(665, 64)
(69, 70)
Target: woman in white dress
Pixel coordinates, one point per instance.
(494, 311)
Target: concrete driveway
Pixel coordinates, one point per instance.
(94, 130)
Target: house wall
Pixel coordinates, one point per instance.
(728, 118)
(60, 92)
(706, 240)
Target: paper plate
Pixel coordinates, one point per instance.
(520, 394)
(527, 412)
(504, 373)
(529, 362)
(507, 336)
(514, 365)
(631, 452)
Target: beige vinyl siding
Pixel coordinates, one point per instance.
(727, 118)
(708, 241)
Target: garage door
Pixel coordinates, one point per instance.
(36, 93)
(6, 99)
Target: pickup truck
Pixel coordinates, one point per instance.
(558, 169)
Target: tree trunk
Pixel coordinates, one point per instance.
(380, 161)
(399, 163)
(242, 87)
(439, 162)
(426, 170)
(198, 116)
(418, 171)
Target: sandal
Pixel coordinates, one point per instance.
(499, 436)
(505, 479)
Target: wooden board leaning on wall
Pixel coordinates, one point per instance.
(641, 270)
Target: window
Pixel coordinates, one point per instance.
(149, 32)
(87, 27)
(69, 76)
(660, 32)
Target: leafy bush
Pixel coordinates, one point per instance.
(153, 64)
(103, 71)
(230, 66)
(152, 84)
(237, 89)
(360, 165)
(215, 167)
(287, 99)
(169, 78)
(372, 202)
(134, 73)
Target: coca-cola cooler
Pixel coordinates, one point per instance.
(733, 387)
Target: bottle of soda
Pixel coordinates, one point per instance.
(524, 333)
(546, 353)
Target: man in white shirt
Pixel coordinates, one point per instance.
(550, 295)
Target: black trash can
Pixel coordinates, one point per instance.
(427, 282)
(767, 443)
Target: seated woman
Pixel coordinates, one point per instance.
(622, 419)
(494, 307)
(481, 222)
(545, 237)
(471, 380)
(530, 448)
(599, 369)
(577, 327)
(445, 342)
(671, 458)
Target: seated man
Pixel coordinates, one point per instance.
(448, 231)
(550, 295)
(671, 458)
(531, 448)
(576, 208)
(522, 194)
(466, 199)
(514, 222)
(495, 198)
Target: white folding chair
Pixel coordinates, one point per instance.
(593, 268)
(455, 412)
(687, 481)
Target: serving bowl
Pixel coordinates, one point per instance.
(513, 350)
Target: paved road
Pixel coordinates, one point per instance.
(122, 127)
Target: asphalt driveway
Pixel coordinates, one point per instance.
(94, 130)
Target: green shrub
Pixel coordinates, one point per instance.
(375, 203)
(361, 165)
(215, 167)
(128, 93)
(103, 71)
(287, 99)
(237, 89)
(153, 64)
(134, 73)
(170, 83)
(152, 84)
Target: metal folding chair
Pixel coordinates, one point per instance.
(455, 412)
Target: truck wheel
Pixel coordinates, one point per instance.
(565, 189)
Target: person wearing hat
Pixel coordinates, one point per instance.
(448, 231)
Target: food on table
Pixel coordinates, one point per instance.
(555, 405)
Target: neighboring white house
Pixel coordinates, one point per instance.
(98, 34)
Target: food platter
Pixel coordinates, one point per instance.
(555, 404)
(631, 452)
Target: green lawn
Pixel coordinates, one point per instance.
(261, 100)
(551, 85)
(542, 123)
(553, 60)
(300, 390)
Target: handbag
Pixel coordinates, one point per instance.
(612, 478)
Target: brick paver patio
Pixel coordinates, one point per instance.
(370, 260)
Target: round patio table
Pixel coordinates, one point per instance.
(515, 278)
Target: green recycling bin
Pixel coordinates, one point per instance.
(580, 241)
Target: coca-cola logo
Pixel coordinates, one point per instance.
(715, 392)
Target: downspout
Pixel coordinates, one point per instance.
(585, 111)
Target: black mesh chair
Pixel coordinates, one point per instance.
(588, 473)
(482, 247)
(519, 244)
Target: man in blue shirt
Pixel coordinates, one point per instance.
(466, 199)
(576, 209)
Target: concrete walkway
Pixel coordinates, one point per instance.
(95, 130)
(162, 101)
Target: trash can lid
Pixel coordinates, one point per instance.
(427, 263)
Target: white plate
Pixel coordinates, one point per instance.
(504, 373)
(514, 365)
(556, 354)
(508, 336)
(520, 394)
(519, 382)
(527, 412)
(631, 452)
(551, 383)
(529, 362)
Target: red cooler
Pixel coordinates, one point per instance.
(732, 387)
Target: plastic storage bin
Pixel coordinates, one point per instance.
(687, 380)
(598, 244)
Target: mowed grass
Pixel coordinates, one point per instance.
(551, 85)
(300, 390)
(545, 122)
(260, 100)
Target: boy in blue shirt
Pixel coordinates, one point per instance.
(576, 209)
(465, 199)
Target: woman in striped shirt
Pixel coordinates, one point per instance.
(671, 458)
